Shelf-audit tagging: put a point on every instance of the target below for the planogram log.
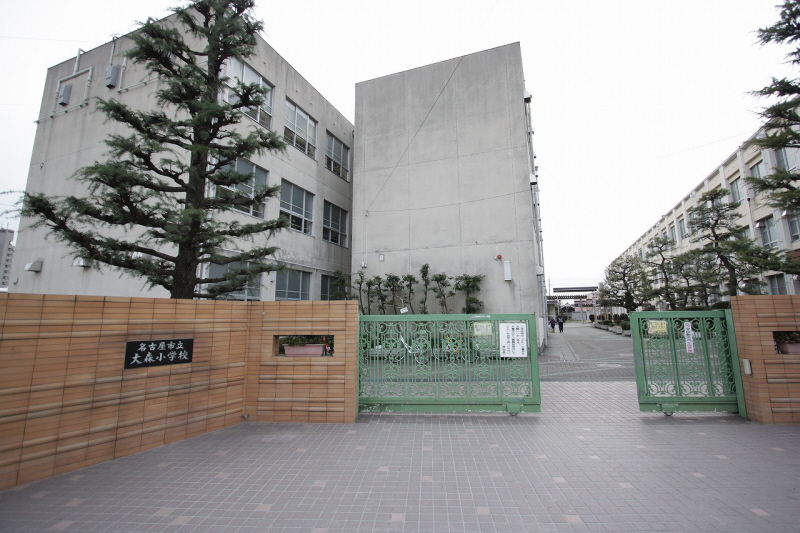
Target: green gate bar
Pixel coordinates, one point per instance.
(687, 361)
(448, 363)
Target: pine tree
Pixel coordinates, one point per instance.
(714, 223)
(626, 284)
(782, 122)
(147, 212)
(659, 259)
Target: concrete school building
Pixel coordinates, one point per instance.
(771, 228)
(445, 174)
(463, 120)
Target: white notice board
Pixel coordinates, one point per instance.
(513, 339)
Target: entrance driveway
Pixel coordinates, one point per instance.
(589, 462)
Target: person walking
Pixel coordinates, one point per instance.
(552, 325)
(561, 324)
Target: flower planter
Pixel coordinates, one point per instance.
(305, 350)
(789, 347)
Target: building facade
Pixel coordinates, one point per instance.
(445, 174)
(6, 255)
(769, 227)
(314, 172)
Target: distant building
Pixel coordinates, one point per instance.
(6, 255)
(771, 228)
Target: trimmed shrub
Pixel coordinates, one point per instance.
(721, 305)
(591, 318)
(626, 326)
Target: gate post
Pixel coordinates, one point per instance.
(736, 367)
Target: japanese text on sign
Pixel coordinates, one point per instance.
(657, 327)
(482, 328)
(513, 339)
(155, 353)
(688, 335)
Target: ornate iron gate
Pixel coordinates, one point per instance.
(448, 363)
(687, 361)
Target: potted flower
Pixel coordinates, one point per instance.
(306, 345)
(787, 341)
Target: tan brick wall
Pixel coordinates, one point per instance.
(66, 402)
(772, 391)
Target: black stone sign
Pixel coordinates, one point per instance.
(156, 353)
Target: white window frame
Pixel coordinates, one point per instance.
(337, 157)
(786, 158)
(334, 224)
(769, 232)
(283, 278)
(248, 188)
(736, 193)
(682, 228)
(776, 283)
(300, 215)
(251, 291)
(304, 139)
(672, 232)
(235, 69)
(794, 227)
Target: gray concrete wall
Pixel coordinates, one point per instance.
(72, 137)
(442, 176)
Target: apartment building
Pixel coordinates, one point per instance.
(314, 173)
(445, 174)
(769, 227)
(6, 256)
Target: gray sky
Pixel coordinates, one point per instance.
(634, 101)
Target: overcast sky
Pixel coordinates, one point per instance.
(634, 102)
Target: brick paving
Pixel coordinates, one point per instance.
(590, 461)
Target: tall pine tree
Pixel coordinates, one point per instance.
(781, 119)
(148, 212)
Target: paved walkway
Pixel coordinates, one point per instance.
(589, 462)
(583, 353)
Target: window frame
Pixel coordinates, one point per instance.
(331, 156)
(245, 297)
(769, 229)
(682, 228)
(304, 218)
(736, 193)
(269, 110)
(304, 143)
(328, 229)
(794, 227)
(258, 210)
(780, 282)
(282, 277)
(783, 158)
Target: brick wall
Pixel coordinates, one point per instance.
(66, 402)
(772, 391)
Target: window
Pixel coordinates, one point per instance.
(682, 228)
(251, 291)
(298, 206)
(736, 194)
(787, 158)
(334, 225)
(664, 234)
(328, 290)
(794, 227)
(337, 156)
(756, 171)
(242, 72)
(769, 234)
(777, 284)
(300, 130)
(672, 232)
(292, 285)
(248, 188)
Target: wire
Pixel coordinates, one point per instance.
(415, 135)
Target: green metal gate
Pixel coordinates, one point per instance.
(448, 363)
(687, 361)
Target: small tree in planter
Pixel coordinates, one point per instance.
(469, 285)
(377, 292)
(425, 277)
(360, 285)
(442, 290)
(394, 286)
(409, 280)
(306, 345)
(787, 341)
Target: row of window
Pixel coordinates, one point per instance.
(296, 204)
(289, 284)
(299, 128)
